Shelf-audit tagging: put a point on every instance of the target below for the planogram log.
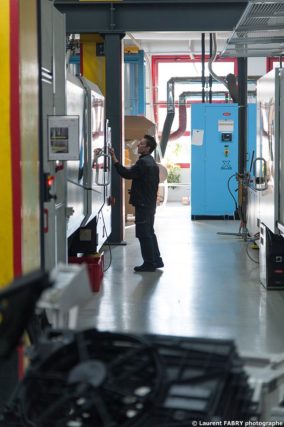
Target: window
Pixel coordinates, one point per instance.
(166, 67)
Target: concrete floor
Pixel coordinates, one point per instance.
(208, 288)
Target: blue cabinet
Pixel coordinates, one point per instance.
(214, 157)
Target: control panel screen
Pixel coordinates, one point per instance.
(226, 137)
(63, 137)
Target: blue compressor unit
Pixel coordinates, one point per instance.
(214, 157)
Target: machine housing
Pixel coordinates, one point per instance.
(214, 132)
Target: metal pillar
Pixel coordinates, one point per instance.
(242, 128)
(203, 65)
(210, 75)
(114, 112)
(242, 83)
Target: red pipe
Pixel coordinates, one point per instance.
(182, 123)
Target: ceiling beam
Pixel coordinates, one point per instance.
(154, 15)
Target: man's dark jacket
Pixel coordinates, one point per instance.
(145, 181)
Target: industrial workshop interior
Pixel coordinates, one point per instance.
(96, 330)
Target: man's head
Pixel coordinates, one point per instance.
(147, 145)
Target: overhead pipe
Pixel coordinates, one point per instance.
(210, 75)
(203, 66)
(232, 87)
(182, 115)
(188, 94)
(166, 133)
(212, 59)
(170, 115)
(230, 81)
(182, 121)
(182, 112)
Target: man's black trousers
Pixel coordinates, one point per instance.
(144, 220)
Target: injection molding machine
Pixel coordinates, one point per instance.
(266, 200)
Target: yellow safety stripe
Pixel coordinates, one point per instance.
(6, 212)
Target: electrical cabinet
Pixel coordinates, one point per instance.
(214, 158)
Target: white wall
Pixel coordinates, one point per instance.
(256, 66)
(175, 195)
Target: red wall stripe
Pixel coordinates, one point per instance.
(270, 61)
(183, 165)
(15, 135)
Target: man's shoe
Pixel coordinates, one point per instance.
(144, 267)
(159, 263)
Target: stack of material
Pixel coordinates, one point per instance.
(203, 380)
(93, 378)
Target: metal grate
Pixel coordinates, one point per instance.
(259, 32)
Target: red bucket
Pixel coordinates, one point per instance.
(95, 264)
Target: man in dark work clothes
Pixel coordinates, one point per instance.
(143, 196)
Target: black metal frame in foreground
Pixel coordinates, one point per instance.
(105, 379)
(17, 307)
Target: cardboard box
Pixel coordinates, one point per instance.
(135, 128)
